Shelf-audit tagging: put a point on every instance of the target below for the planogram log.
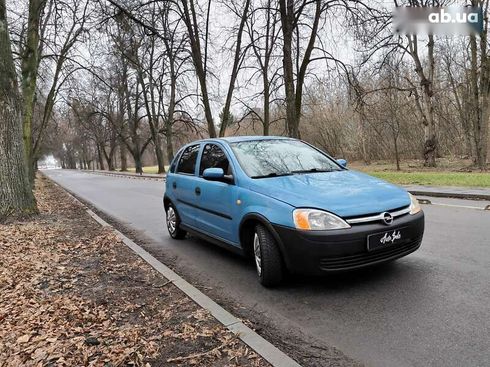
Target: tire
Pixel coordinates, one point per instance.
(173, 223)
(267, 257)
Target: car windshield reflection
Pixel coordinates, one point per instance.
(281, 157)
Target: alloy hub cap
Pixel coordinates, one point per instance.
(257, 254)
(171, 220)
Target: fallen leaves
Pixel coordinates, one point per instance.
(23, 339)
(71, 294)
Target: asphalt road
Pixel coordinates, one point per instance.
(431, 308)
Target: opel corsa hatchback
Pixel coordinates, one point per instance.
(289, 206)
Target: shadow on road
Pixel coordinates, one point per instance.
(345, 281)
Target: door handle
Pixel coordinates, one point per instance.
(174, 185)
(198, 191)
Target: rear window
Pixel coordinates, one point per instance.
(174, 162)
(187, 162)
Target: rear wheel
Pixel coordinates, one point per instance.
(173, 223)
(267, 256)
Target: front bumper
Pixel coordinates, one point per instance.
(317, 252)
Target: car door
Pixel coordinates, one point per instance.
(184, 183)
(217, 200)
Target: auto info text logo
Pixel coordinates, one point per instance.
(447, 20)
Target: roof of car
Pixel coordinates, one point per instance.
(237, 139)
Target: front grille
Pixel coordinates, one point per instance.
(395, 213)
(360, 259)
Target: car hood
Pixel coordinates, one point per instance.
(345, 193)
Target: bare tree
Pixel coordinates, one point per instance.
(59, 55)
(425, 104)
(300, 21)
(187, 10)
(263, 32)
(176, 60)
(238, 58)
(454, 62)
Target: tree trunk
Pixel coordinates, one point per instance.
(101, 158)
(159, 153)
(169, 121)
(170, 149)
(430, 144)
(267, 113)
(287, 18)
(29, 69)
(488, 143)
(123, 157)
(397, 154)
(137, 163)
(363, 133)
(16, 196)
(110, 163)
(479, 97)
(482, 149)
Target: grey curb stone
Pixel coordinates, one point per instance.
(143, 176)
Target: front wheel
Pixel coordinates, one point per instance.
(173, 223)
(268, 260)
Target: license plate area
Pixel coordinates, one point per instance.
(390, 238)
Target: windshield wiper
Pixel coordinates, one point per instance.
(313, 170)
(272, 174)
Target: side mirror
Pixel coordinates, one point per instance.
(217, 174)
(213, 174)
(342, 162)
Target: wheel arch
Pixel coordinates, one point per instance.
(167, 202)
(246, 230)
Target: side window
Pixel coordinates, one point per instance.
(213, 156)
(174, 162)
(187, 162)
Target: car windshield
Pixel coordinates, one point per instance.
(280, 157)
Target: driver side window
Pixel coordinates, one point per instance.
(214, 157)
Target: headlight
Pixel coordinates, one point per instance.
(414, 205)
(317, 220)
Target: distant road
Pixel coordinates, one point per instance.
(431, 308)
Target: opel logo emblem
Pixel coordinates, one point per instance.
(387, 218)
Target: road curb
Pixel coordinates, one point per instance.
(262, 347)
(126, 175)
(452, 195)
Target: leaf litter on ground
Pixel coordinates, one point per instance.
(72, 294)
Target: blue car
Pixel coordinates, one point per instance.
(288, 205)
